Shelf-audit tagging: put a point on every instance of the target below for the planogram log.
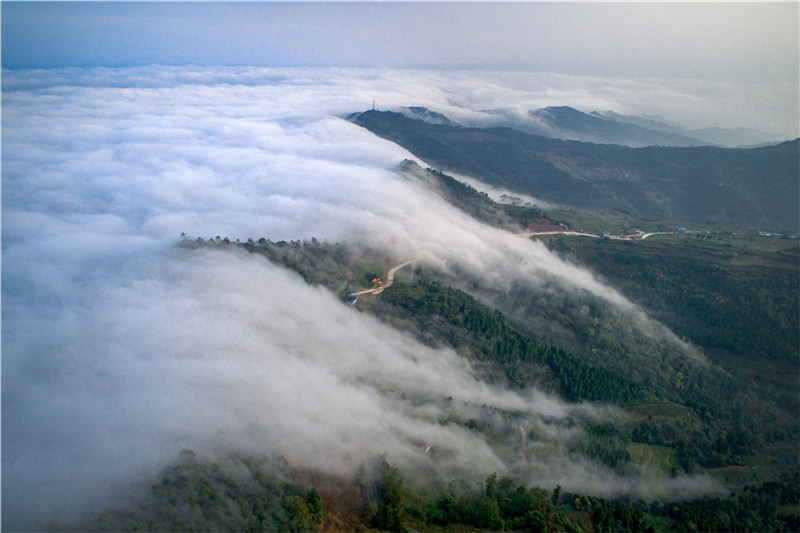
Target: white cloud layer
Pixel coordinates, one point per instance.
(119, 350)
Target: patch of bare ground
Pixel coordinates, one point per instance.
(343, 509)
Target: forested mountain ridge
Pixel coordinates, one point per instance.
(725, 406)
(754, 188)
(692, 435)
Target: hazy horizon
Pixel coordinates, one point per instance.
(741, 60)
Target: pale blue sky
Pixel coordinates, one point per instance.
(718, 41)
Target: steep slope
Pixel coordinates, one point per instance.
(267, 493)
(742, 188)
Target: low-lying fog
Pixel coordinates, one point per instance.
(120, 350)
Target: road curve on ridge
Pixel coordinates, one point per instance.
(389, 279)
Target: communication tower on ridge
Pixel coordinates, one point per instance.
(373, 105)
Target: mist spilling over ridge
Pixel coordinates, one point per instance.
(125, 343)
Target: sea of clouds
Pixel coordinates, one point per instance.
(120, 349)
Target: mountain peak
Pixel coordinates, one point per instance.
(428, 115)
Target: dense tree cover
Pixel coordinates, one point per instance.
(740, 304)
(717, 294)
(485, 335)
(753, 509)
(744, 188)
(719, 401)
(701, 415)
(504, 505)
(236, 494)
(249, 495)
(602, 336)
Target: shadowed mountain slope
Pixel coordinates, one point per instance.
(755, 188)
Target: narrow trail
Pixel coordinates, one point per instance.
(535, 233)
(634, 237)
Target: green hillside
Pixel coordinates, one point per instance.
(668, 429)
(731, 294)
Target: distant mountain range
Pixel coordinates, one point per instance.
(567, 123)
(752, 188)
